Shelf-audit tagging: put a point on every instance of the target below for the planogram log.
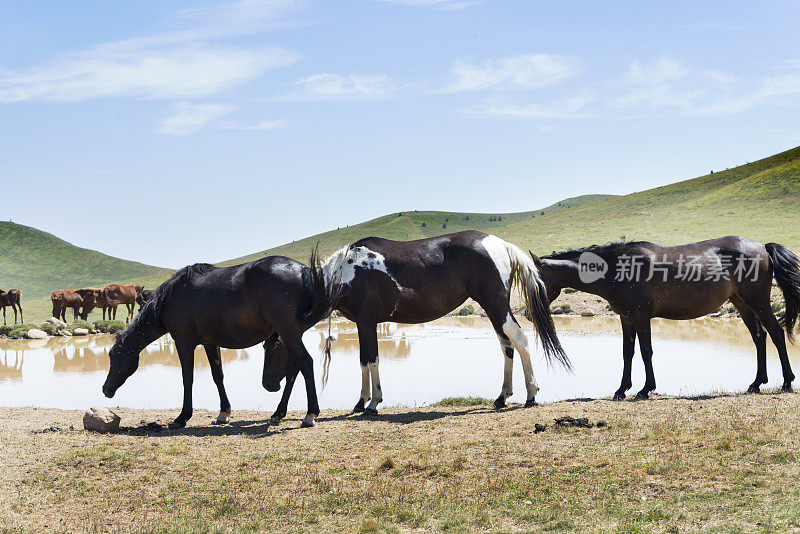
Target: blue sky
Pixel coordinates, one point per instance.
(175, 132)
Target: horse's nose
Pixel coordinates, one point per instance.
(269, 386)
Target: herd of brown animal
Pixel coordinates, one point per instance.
(82, 301)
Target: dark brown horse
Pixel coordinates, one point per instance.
(64, 299)
(379, 280)
(13, 298)
(642, 280)
(143, 297)
(93, 298)
(115, 294)
(273, 298)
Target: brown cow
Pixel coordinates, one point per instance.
(93, 298)
(13, 298)
(116, 294)
(63, 299)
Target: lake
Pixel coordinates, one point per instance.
(420, 364)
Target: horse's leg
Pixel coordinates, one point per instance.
(759, 335)
(294, 343)
(767, 318)
(186, 357)
(642, 324)
(497, 310)
(517, 337)
(14, 307)
(4, 316)
(368, 355)
(283, 405)
(362, 400)
(628, 349)
(215, 360)
(21, 318)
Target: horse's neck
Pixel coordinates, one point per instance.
(144, 334)
(566, 273)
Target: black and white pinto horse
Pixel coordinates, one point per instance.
(378, 280)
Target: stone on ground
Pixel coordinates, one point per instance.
(35, 333)
(81, 332)
(100, 420)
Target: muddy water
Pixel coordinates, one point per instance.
(420, 364)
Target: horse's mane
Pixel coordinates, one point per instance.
(609, 248)
(151, 312)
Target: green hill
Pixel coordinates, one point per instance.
(760, 200)
(409, 225)
(38, 263)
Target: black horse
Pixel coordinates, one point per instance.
(379, 280)
(231, 307)
(642, 280)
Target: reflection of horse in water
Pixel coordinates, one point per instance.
(67, 358)
(392, 341)
(9, 371)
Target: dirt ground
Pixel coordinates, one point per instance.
(707, 463)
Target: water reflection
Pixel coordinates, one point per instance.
(420, 364)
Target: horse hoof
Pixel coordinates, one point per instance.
(642, 396)
(176, 424)
(530, 403)
(275, 420)
(618, 397)
(754, 389)
(370, 411)
(308, 422)
(359, 407)
(499, 403)
(787, 388)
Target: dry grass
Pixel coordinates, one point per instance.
(723, 463)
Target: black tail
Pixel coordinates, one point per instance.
(786, 267)
(323, 299)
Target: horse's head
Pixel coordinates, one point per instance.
(276, 363)
(124, 362)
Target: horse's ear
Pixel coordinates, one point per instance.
(536, 259)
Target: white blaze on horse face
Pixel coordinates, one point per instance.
(498, 252)
(520, 342)
(340, 267)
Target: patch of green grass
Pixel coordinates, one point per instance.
(463, 401)
(110, 327)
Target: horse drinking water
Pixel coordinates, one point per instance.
(231, 307)
(379, 280)
(641, 280)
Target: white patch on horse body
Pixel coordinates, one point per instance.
(498, 252)
(520, 342)
(223, 418)
(309, 420)
(340, 267)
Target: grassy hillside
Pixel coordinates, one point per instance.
(37, 263)
(760, 200)
(409, 225)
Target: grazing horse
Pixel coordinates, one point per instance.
(273, 298)
(63, 299)
(115, 294)
(92, 298)
(143, 297)
(13, 298)
(379, 280)
(642, 280)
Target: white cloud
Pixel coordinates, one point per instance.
(261, 125)
(173, 64)
(340, 87)
(573, 107)
(530, 71)
(188, 118)
(446, 5)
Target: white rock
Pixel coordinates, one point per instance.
(56, 322)
(100, 420)
(64, 333)
(80, 332)
(35, 333)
